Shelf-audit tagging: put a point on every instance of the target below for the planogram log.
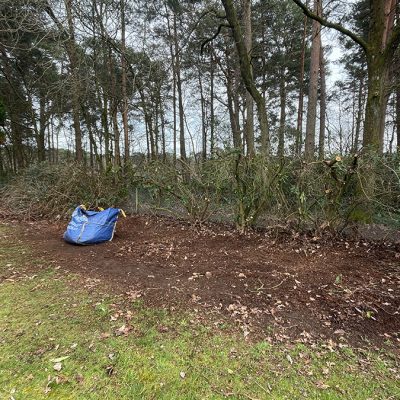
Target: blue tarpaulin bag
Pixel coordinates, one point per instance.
(90, 227)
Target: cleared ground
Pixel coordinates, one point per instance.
(300, 286)
(171, 311)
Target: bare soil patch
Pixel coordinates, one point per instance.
(304, 288)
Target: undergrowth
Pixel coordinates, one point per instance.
(48, 190)
(319, 195)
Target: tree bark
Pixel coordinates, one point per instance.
(282, 118)
(313, 86)
(180, 94)
(377, 72)
(173, 63)
(42, 128)
(232, 76)
(123, 84)
(322, 112)
(114, 112)
(203, 119)
(162, 117)
(299, 127)
(359, 115)
(233, 114)
(249, 102)
(212, 113)
(398, 117)
(114, 117)
(246, 73)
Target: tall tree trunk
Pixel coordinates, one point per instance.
(102, 88)
(42, 128)
(322, 109)
(173, 63)
(114, 117)
(212, 114)
(232, 76)
(156, 126)
(17, 144)
(105, 129)
(384, 103)
(380, 47)
(249, 102)
(233, 114)
(313, 86)
(123, 84)
(76, 92)
(162, 116)
(282, 118)
(180, 94)
(379, 57)
(398, 117)
(246, 73)
(114, 111)
(377, 71)
(203, 119)
(360, 110)
(299, 127)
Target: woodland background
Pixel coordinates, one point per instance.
(203, 109)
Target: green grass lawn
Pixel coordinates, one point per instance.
(49, 321)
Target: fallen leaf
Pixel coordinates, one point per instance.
(123, 330)
(61, 379)
(57, 366)
(325, 371)
(104, 335)
(321, 385)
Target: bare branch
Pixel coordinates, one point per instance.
(214, 36)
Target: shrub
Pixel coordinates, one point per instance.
(48, 190)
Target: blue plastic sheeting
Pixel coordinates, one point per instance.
(90, 227)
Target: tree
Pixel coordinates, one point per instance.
(379, 47)
(313, 86)
(124, 83)
(277, 25)
(68, 37)
(322, 113)
(249, 103)
(246, 73)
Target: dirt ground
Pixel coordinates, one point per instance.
(272, 288)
